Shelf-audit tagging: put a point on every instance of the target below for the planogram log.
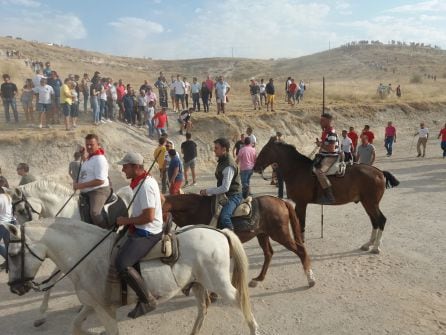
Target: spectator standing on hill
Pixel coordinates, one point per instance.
(172, 93)
(27, 101)
(270, 91)
(389, 138)
(254, 90)
(162, 86)
(398, 91)
(150, 121)
(423, 135)
(205, 94)
(85, 89)
(67, 101)
(47, 70)
(346, 146)
(128, 107)
(246, 158)
(151, 96)
(292, 89)
(366, 131)
(180, 91)
(161, 122)
(186, 91)
(103, 100)
(44, 92)
(159, 156)
(262, 87)
(189, 151)
(287, 90)
(195, 90)
(112, 98)
(142, 102)
(366, 151)
(23, 171)
(36, 83)
(354, 137)
(74, 112)
(9, 92)
(210, 85)
(238, 145)
(252, 137)
(56, 84)
(121, 92)
(222, 89)
(442, 134)
(175, 173)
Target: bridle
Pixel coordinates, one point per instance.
(28, 207)
(23, 279)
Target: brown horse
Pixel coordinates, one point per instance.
(361, 183)
(273, 220)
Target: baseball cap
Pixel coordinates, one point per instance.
(132, 158)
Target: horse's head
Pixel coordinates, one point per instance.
(24, 208)
(24, 259)
(266, 157)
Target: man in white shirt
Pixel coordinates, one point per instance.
(187, 88)
(180, 91)
(251, 136)
(44, 93)
(346, 146)
(222, 89)
(423, 135)
(144, 229)
(93, 182)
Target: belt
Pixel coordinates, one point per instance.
(142, 232)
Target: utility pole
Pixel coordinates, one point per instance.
(232, 52)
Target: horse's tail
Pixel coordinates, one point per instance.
(391, 181)
(240, 274)
(294, 222)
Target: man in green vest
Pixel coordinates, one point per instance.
(228, 182)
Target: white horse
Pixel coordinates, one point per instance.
(204, 261)
(43, 199)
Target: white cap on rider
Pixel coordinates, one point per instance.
(132, 158)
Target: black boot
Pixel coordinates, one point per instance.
(146, 302)
(328, 197)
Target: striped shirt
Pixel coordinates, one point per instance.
(328, 137)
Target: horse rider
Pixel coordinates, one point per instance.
(144, 230)
(93, 181)
(327, 156)
(228, 182)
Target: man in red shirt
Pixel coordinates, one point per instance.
(120, 92)
(353, 135)
(366, 131)
(161, 122)
(292, 90)
(389, 138)
(443, 140)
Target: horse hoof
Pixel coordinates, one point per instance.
(311, 283)
(365, 247)
(253, 283)
(39, 322)
(375, 251)
(213, 297)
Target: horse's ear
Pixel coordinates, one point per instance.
(13, 230)
(272, 139)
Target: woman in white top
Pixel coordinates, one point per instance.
(5, 217)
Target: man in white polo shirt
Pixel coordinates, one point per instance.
(423, 135)
(144, 229)
(93, 181)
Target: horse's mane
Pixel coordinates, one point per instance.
(49, 186)
(293, 153)
(65, 224)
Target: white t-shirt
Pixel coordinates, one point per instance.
(36, 82)
(262, 88)
(148, 197)
(253, 140)
(45, 93)
(187, 87)
(113, 93)
(94, 168)
(346, 144)
(179, 87)
(423, 132)
(5, 208)
(150, 113)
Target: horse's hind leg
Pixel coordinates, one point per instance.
(268, 252)
(202, 302)
(79, 319)
(378, 222)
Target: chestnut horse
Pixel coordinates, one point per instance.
(273, 220)
(361, 183)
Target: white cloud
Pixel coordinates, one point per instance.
(24, 3)
(343, 7)
(137, 27)
(423, 6)
(35, 25)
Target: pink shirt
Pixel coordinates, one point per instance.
(210, 84)
(247, 157)
(390, 131)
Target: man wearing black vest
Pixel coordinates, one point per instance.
(228, 182)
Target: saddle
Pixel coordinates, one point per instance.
(166, 250)
(336, 169)
(113, 208)
(242, 217)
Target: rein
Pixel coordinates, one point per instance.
(29, 208)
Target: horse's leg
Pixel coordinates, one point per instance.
(378, 222)
(108, 319)
(268, 252)
(301, 211)
(79, 319)
(202, 302)
(44, 306)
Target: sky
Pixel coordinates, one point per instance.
(174, 29)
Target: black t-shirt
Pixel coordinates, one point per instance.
(189, 149)
(269, 88)
(8, 90)
(238, 145)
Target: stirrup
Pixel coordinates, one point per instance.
(141, 309)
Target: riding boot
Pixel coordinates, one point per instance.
(146, 301)
(328, 197)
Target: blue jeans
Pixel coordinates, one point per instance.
(10, 102)
(245, 176)
(95, 107)
(388, 143)
(4, 235)
(443, 147)
(228, 209)
(103, 108)
(151, 126)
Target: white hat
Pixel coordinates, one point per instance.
(132, 158)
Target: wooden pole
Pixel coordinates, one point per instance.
(323, 110)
